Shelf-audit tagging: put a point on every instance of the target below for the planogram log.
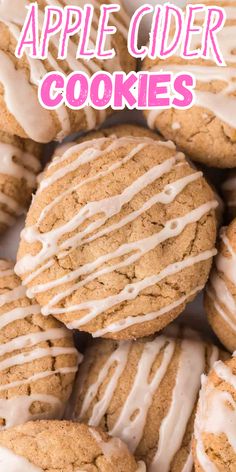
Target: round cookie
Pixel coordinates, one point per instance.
(119, 131)
(145, 392)
(229, 193)
(127, 242)
(220, 294)
(206, 131)
(116, 131)
(38, 360)
(62, 446)
(21, 113)
(215, 424)
(18, 170)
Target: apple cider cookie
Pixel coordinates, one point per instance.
(220, 294)
(215, 424)
(21, 113)
(62, 446)
(145, 393)
(206, 131)
(19, 166)
(119, 237)
(38, 360)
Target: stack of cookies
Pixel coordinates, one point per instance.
(97, 371)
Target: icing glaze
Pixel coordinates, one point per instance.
(133, 414)
(24, 349)
(218, 290)
(17, 410)
(212, 400)
(55, 242)
(25, 107)
(221, 104)
(11, 462)
(25, 168)
(188, 379)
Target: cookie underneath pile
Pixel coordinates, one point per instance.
(98, 372)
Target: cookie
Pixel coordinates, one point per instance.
(206, 131)
(38, 360)
(19, 167)
(58, 446)
(145, 392)
(119, 131)
(229, 193)
(21, 113)
(220, 295)
(119, 237)
(116, 131)
(215, 424)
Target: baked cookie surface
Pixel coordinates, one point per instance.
(220, 294)
(215, 424)
(38, 360)
(61, 446)
(145, 392)
(22, 114)
(19, 166)
(206, 131)
(119, 237)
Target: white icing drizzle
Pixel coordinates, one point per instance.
(40, 376)
(25, 107)
(133, 414)
(118, 358)
(54, 242)
(130, 292)
(188, 379)
(133, 320)
(11, 462)
(221, 104)
(24, 169)
(140, 397)
(114, 447)
(217, 290)
(17, 410)
(213, 400)
(188, 466)
(36, 121)
(31, 339)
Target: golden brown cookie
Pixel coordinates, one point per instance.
(229, 193)
(62, 446)
(38, 360)
(215, 424)
(119, 237)
(220, 294)
(19, 166)
(116, 131)
(21, 113)
(145, 392)
(206, 131)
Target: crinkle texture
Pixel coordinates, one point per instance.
(197, 131)
(220, 293)
(46, 380)
(18, 174)
(217, 447)
(91, 402)
(62, 446)
(68, 187)
(64, 121)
